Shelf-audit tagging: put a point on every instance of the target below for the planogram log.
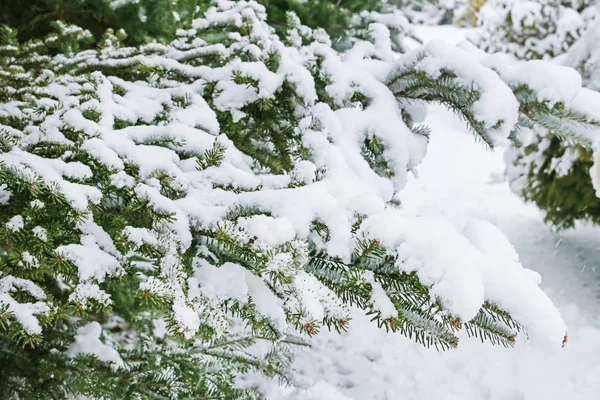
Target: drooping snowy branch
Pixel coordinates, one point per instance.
(235, 175)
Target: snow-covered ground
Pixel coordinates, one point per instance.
(460, 179)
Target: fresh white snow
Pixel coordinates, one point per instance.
(341, 181)
(87, 341)
(463, 182)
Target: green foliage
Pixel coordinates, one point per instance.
(535, 30)
(158, 19)
(143, 20)
(333, 16)
(560, 120)
(420, 316)
(157, 367)
(555, 175)
(553, 169)
(447, 90)
(129, 174)
(212, 157)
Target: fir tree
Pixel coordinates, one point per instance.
(553, 173)
(143, 20)
(174, 215)
(146, 20)
(540, 29)
(333, 16)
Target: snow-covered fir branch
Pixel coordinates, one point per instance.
(174, 214)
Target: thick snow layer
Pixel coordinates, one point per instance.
(445, 246)
(232, 281)
(438, 56)
(528, 29)
(87, 341)
(342, 186)
(554, 83)
(368, 363)
(462, 182)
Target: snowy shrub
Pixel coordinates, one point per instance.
(142, 19)
(430, 12)
(145, 20)
(335, 16)
(555, 175)
(467, 14)
(558, 175)
(540, 29)
(174, 215)
(584, 56)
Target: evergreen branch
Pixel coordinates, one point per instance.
(414, 85)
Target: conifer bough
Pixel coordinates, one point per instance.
(175, 215)
(555, 170)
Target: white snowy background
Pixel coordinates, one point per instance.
(460, 179)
